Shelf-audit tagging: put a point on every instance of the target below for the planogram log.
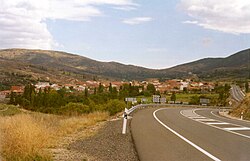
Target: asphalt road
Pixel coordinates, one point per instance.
(181, 134)
(236, 93)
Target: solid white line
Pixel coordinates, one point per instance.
(237, 128)
(183, 138)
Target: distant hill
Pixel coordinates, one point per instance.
(232, 67)
(32, 65)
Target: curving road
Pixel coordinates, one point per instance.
(237, 93)
(189, 134)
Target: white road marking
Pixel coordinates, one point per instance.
(205, 120)
(197, 117)
(228, 118)
(218, 123)
(237, 128)
(183, 138)
(211, 125)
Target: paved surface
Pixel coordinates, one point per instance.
(237, 93)
(189, 134)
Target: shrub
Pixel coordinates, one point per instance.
(73, 109)
(115, 106)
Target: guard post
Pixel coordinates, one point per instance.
(125, 119)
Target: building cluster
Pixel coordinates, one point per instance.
(168, 86)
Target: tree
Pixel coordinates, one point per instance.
(110, 88)
(173, 97)
(86, 92)
(12, 98)
(247, 86)
(151, 89)
(100, 88)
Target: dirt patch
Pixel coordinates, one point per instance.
(107, 145)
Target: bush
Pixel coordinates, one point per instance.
(73, 109)
(195, 100)
(115, 106)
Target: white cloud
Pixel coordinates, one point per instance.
(230, 16)
(22, 22)
(137, 20)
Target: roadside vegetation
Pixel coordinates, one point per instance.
(36, 120)
(66, 102)
(26, 135)
(244, 108)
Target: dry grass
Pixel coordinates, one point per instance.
(25, 136)
(243, 107)
(22, 138)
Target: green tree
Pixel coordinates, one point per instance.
(173, 97)
(110, 88)
(151, 89)
(246, 86)
(86, 92)
(100, 88)
(12, 98)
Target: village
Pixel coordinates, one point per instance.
(165, 87)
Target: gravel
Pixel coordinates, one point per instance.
(109, 144)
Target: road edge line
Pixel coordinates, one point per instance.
(185, 139)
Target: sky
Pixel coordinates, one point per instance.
(150, 33)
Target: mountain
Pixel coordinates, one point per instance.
(62, 67)
(22, 65)
(234, 66)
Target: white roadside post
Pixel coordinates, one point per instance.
(241, 117)
(125, 119)
(126, 112)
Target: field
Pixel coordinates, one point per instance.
(26, 135)
(187, 97)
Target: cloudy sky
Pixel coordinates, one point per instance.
(149, 33)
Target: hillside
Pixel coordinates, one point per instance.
(234, 66)
(21, 66)
(243, 107)
(56, 65)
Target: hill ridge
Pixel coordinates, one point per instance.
(39, 63)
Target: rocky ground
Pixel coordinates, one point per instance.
(108, 144)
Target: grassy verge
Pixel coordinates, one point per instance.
(187, 97)
(23, 136)
(9, 110)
